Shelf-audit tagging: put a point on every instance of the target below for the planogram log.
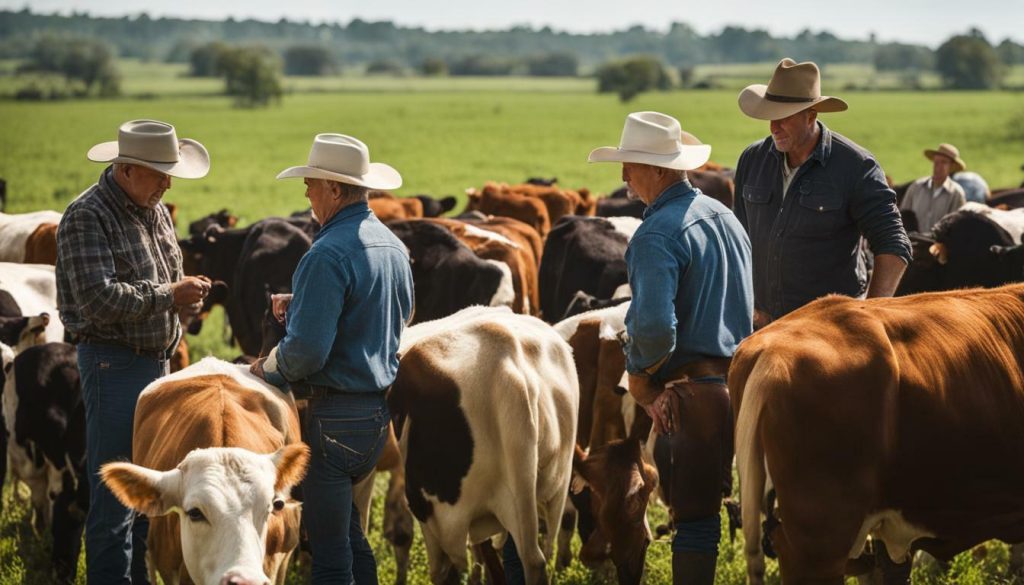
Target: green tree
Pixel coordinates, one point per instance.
(252, 75)
(84, 60)
(308, 60)
(384, 67)
(1010, 53)
(968, 62)
(553, 65)
(630, 77)
(205, 60)
(897, 57)
(434, 67)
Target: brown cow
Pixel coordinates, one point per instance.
(21, 235)
(411, 207)
(494, 200)
(198, 444)
(41, 245)
(891, 418)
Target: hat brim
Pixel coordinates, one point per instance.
(193, 159)
(687, 159)
(754, 104)
(380, 176)
(958, 163)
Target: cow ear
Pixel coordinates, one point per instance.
(290, 461)
(642, 481)
(154, 493)
(448, 204)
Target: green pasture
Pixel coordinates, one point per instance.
(445, 135)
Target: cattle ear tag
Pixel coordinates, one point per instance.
(578, 484)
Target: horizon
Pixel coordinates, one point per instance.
(920, 22)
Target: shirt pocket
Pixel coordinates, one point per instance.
(757, 195)
(819, 210)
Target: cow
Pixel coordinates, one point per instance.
(583, 254)
(32, 289)
(26, 237)
(890, 418)
(485, 404)
(21, 333)
(387, 207)
(222, 218)
(715, 184)
(215, 452)
(970, 247)
(436, 207)
(44, 420)
(447, 275)
(493, 200)
(489, 244)
(1009, 199)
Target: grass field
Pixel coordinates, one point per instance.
(446, 135)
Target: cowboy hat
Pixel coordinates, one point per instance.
(950, 151)
(154, 144)
(794, 87)
(652, 138)
(337, 157)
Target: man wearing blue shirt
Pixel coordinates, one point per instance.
(690, 271)
(352, 297)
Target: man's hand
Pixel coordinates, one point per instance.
(279, 306)
(661, 413)
(256, 369)
(190, 290)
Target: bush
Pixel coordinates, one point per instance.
(969, 62)
(384, 67)
(633, 76)
(252, 75)
(434, 67)
(482, 65)
(82, 60)
(308, 60)
(553, 65)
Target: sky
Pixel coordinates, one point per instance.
(927, 22)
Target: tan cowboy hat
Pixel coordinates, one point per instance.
(154, 144)
(794, 87)
(337, 157)
(950, 151)
(655, 139)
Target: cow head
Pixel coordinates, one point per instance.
(224, 497)
(620, 485)
(23, 332)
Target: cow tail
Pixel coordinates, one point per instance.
(750, 463)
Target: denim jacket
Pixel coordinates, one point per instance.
(689, 268)
(353, 295)
(808, 244)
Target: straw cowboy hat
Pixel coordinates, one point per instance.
(794, 87)
(154, 144)
(652, 138)
(950, 151)
(337, 157)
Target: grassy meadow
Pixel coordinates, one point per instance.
(445, 135)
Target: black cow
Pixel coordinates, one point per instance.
(220, 218)
(581, 254)
(436, 207)
(618, 204)
(1013, 199)
(447, 275)
(249, 262)
(970, 249)
(582, 303)
(542, 182)
(49, 441)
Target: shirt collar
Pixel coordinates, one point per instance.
(945, 184)
(673, 192)
(349, 211)
(822, 151)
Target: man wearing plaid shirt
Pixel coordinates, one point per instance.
(120, 290)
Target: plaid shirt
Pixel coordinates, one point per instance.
(115, 265)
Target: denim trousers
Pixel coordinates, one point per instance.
(115, 537)
(346, 433)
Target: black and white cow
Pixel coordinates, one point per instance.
(31, 289)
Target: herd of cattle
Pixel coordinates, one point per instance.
(892, 419)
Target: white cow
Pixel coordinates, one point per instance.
(485, 403)
(34, 288)
(15, 230)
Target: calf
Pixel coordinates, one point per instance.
(220, 449)
(32, 288)
(436, 207)
(44, 417)
(485, 407)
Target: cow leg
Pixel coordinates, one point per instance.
(520, 518)
(565, 535)
(442, 571)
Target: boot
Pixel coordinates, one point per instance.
(693, 568)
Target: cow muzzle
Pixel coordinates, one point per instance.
(244, 576)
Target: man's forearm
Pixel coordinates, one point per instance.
(886, 276)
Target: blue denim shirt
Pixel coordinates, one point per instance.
(353, 295)
(808, 244)
(689, 268)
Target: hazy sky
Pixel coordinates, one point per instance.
(920, 21)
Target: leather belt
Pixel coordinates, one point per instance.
(703, 368)
(152, 354)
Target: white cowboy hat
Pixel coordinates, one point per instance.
(337, 157)
(655, 139)
(794, 87)
(154, 144)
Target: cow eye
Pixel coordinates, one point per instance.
(278, 505)
(195, 515)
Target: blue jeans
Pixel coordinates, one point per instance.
(115, 537)
(346, 433)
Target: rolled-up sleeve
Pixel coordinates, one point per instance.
(651, 318)
(86, 258)
(873, 207)
(321, 284)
